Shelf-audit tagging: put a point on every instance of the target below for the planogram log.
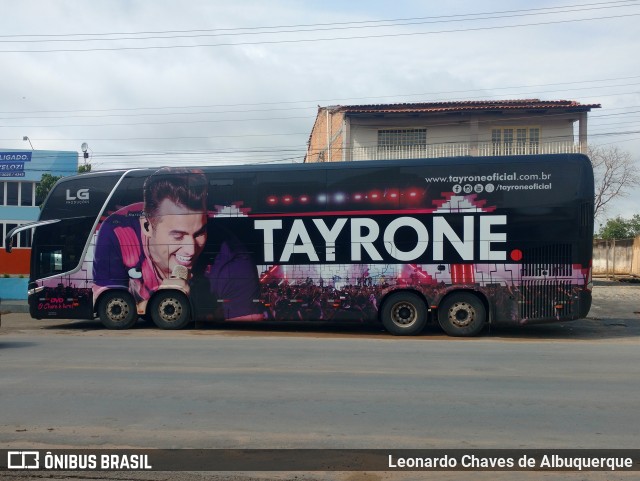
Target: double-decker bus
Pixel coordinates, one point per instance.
(463, 242)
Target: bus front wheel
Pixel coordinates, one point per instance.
(404, 314)
(117, 310)
(462, 315)
(170, 310)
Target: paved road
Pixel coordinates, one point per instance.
(571, 385)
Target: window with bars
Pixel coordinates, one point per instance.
(402, 137)
(14, 193)
(515, 140)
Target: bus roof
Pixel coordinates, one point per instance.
(454, 161)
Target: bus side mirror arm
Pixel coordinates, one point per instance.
(8, 240)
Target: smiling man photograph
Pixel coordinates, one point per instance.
(158, 243)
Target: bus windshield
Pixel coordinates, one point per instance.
(58, 247)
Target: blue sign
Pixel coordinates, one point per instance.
(12, 163)
(15, 157)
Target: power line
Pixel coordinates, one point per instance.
(301, 29)
(332, 100)
(295, 41)
(186, 137)
(266, 156)
(159, 123)
(269, 119)
(272, 150)
(168, 122)
(442, 18)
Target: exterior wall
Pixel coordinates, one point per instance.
(336, 137)
(13, 289)
(15, 263)
(620, 257)
(20, 171)
(364, 132)
(327, 137)
(447, 131)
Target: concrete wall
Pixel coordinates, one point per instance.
(16, 262)
(619, 257)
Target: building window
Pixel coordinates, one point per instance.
(515, 140)
(17, 194)
(401, 144)
(26, 194)
(12, 193)
(402, 137)
(23, 239)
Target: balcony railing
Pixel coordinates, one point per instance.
(481, 149)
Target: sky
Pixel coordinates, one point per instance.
(200, 82)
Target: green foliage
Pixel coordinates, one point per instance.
(620, 228)
(44, 186)
(82, 169)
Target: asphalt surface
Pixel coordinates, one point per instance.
(567, 385)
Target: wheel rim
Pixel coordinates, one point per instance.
(117, 310)
(462, 314)
(404, 314)
(170, 309)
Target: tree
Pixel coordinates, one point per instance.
(620, 228)
(44, 186)
(615, 173)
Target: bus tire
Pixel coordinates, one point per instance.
(170, 310)
(404, 314)
(462, 314)
(117, 310)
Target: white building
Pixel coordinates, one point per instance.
(445, 129)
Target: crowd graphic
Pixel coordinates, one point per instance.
(308, 302)
(333, 292)
(353, 292)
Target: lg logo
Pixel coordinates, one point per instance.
(80, 195)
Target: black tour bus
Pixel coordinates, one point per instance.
(463, 242)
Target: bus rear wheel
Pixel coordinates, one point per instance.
(117, 310)
(170, 310)
(404, 314)
(462, 315)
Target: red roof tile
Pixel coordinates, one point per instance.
(465, 106)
